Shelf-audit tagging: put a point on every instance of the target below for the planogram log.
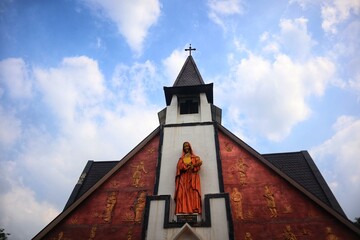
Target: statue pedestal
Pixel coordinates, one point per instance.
(187, 218)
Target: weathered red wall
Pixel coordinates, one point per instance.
(305, 218)
(91, 219)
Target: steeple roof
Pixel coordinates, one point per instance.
(189, 81)
(189, 74)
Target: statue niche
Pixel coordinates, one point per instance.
(187, 182)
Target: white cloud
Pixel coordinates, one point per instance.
(173, 64)
(354, 83)
(346, 51)
(219, 10)
(270, 97)
(338, 159)
(19, 207)
(302, 3)
(295, 39)
(133, 18)
(265, 36)
(92, 122)
(92, 119)
(335, 12)
(14, 76)
(10, 129)
(133, 82)
(76, 85)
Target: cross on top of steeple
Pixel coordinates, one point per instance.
(190, 49)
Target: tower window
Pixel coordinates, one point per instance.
(189, 105)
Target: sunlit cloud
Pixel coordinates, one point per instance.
(10, 130)
(272, 106)
(14, 77)
(133, 18)
(338, 157)
(173, 64)
(219, 10)
(337, 11)
(91, 122)
(272, 93)
(19, 206)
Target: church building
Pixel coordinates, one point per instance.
(191, 178)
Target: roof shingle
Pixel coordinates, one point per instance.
(300, 167)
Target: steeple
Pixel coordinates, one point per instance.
(189, 100)
(189, 74)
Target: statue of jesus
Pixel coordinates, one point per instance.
(187, 182)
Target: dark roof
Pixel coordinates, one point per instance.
(189, 74)
(300, 167)
(92, 173)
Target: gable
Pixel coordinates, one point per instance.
(113, 206)
(265, 201)
(267, 204)
(186, 233)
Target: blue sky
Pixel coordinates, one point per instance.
(83, 80)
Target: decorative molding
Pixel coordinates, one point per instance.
(173, 224)
(158, 166)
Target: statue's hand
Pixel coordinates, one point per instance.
(189, 166)
(198, 164)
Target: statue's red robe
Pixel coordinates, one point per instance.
(187, 186)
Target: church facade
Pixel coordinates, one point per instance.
(243, 194)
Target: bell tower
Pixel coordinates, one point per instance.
(189, 100)
(189, 116)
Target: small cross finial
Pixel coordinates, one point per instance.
(190, 49)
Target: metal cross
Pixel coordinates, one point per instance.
(190, 49)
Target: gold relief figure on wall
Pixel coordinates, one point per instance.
(288, 234)
(115, 183)
(249, 214)
(110, 204)
(236, 198)
(288, 209)
(129, 214)
(151, 150)
(242, 168)
(61, 234)
(129, 233)
(60, 237)
(137, 174)
(187, 182)
(330, 235)
(287, 206)
(248, 236)
(139, 207)
(228, 147)
(270, 200)
(74, 220)
(93, 232)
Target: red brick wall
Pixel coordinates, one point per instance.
(262, 220)
(110, 212)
